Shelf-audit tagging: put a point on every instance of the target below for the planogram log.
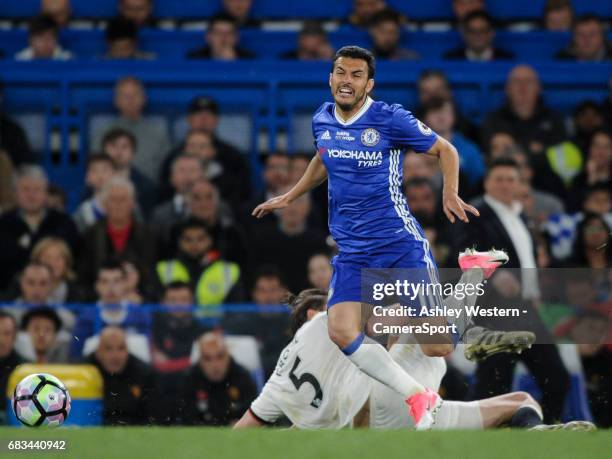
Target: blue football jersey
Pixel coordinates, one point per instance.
(363, 157)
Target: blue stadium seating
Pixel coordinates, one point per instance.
(279, 9)
(174, 45)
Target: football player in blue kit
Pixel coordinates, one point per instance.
(361, 145)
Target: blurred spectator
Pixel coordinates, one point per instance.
(22, 227)
(478, 31)
(132, 283)
(268, 327)
(240, 12)
(122, 40)
(532, 124)
(558, 15)
(217, 390)
(588, 117)
(9, 358)
(58, 10)
(385, 31)
(439, 114)
(13, 138)
(203, 115)
(589, 42)
(434, 84)
(129, 383)
(99, 170)
(607, 103)
(204, 203)
(598, 166)
(56, 254)
(221, 41)
(152, 143)
(364, 10)
(121, 146)
(118, 234)
(174, 331)
(561, 228)
(112, 308)
(198, 263)
(138, 11)
(173, 334)
(289, 244)
(593, 244)
(185, 170)
(56, 198)
(424, 205)
(42, 325)
(35, 284)
(461, 8)
(500, 225)
(276, 177)
(589, 334)
(7, 195)
(499, 142)
(319, 271)
(313, 44)
(44, 41)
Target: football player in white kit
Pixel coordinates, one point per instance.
(309, 386)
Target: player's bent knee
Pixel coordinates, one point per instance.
(437, 350)
(342, 336)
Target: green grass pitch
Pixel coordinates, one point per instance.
(179, 443)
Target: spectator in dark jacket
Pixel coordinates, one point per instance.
(129, 384)
(240, 12)
(13, 139)
(31, 221)
(221, 41)
(118, 234)
(478, 33)
(312, 44)
(589, 42)
(9, 358)
(532, 124)
(217, 390)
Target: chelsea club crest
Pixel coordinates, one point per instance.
(370, 137)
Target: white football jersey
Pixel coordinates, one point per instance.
(314, 384)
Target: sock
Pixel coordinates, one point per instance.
(374, 360)
(525, 417)
(464, 321)
(454, 415)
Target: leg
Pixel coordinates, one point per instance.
(499, 410)
(494, 376)
(345, 325)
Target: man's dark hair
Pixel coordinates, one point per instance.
(42, 24)
(501, 162)
(587, 105)
(584, 18)
(436, 103)
(312, 28)
(43, 311)
(312, 298)
(99, 158)
(597, 187)
(116, 133)
(192, 223)
(120, 28)
(554, 5)
(6, 315)
(54, 190)
(478, 14)
(429, 73)
(268, 271)
(175, 285)
(416, 182)
(112, 264)
(222, 17)
(36, 264)
(386, 15)
(356, 52)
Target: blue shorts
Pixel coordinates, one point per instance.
(348, 281)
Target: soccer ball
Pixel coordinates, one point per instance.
(41, 400)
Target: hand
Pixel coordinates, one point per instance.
(453, 206)
(263, 209)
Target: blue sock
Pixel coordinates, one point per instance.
(348, 350)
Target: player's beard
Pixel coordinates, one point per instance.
(349, 106)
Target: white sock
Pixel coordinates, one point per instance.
(454, 415)
(374, 360)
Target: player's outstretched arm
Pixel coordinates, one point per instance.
(314, 175)
(453, 205)
(247, 421)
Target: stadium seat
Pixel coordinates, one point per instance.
(137, 344)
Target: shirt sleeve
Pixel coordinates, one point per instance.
(412, 133)
(265, 407)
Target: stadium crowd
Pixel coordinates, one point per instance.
(165, 225)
